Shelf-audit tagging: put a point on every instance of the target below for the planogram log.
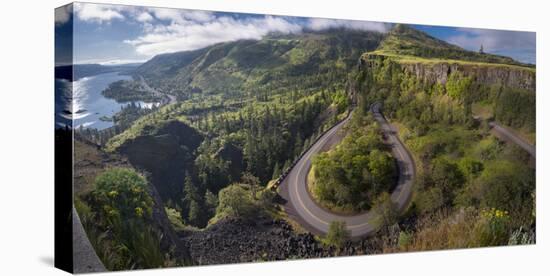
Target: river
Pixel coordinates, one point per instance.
(87, 105)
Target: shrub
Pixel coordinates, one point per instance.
(385, 210)
(491, 228)
(118, 221)
(464, 228)
(405, 238)
(235, 200)
(430, 200)
(122, 194)
(337, 235)
(506, 186)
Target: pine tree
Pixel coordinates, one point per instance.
(194, 215)
(190, 191)
(211, 202)
(276, 171)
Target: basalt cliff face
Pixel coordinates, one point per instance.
(432, 72)
(164, 153)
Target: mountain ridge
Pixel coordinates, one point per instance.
(406, 41)
(271, 63)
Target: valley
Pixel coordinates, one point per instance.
(396, 128)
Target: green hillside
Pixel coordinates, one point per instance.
(408, 42)
(257, 103)
(271, 65)
(443, 100)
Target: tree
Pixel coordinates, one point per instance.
(481, 49)
(211, 202)
(190, 192)
(386, 210)
(276, 171)
(506, 186)
(458, 86)
(337, 235)
(470, 167)
(192, 201)
(430, 200)
(447, 176)
(356, 171)
(236, 201)
(382, 168)
(252, 181)
(194, 215)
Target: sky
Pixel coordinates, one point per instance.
(116, 34)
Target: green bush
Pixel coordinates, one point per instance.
(385, 210)
(430, 200)
(235, 200)
(506, 185)
(492, 228)
(337, 235)
(353, 174)
(405, 239)
(458, 86)
(118, 221)
(446, 176)
(122, 195)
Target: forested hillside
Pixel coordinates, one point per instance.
(403, 40)
(260, 68)
(441, 98)
(234, 116)
(257, 104)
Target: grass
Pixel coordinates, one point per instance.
(406, 59)
(175, 219)
(482, 110)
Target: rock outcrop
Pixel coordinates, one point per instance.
(263, 239)
(165, 153)
(91, 161)
(436, 71)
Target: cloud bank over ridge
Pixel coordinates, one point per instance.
(120, 32)
(171, 30)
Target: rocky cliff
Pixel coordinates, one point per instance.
(236, 240)
(432, 71)
(90, 161)
(165, 153)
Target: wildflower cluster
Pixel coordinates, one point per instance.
(494, 213)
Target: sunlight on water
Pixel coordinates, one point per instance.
(85, 104)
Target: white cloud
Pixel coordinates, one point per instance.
(171, 30)
(183, 34)
(63, 14)
(519, 45)
(179, 16)
(167, 14)
(493, 40)
(111, 61)
(322, 24)
(97, 12)
(144, 17)
(198, 16)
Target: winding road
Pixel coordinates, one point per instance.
(509, 135)
(301, 207)
(171, 98)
